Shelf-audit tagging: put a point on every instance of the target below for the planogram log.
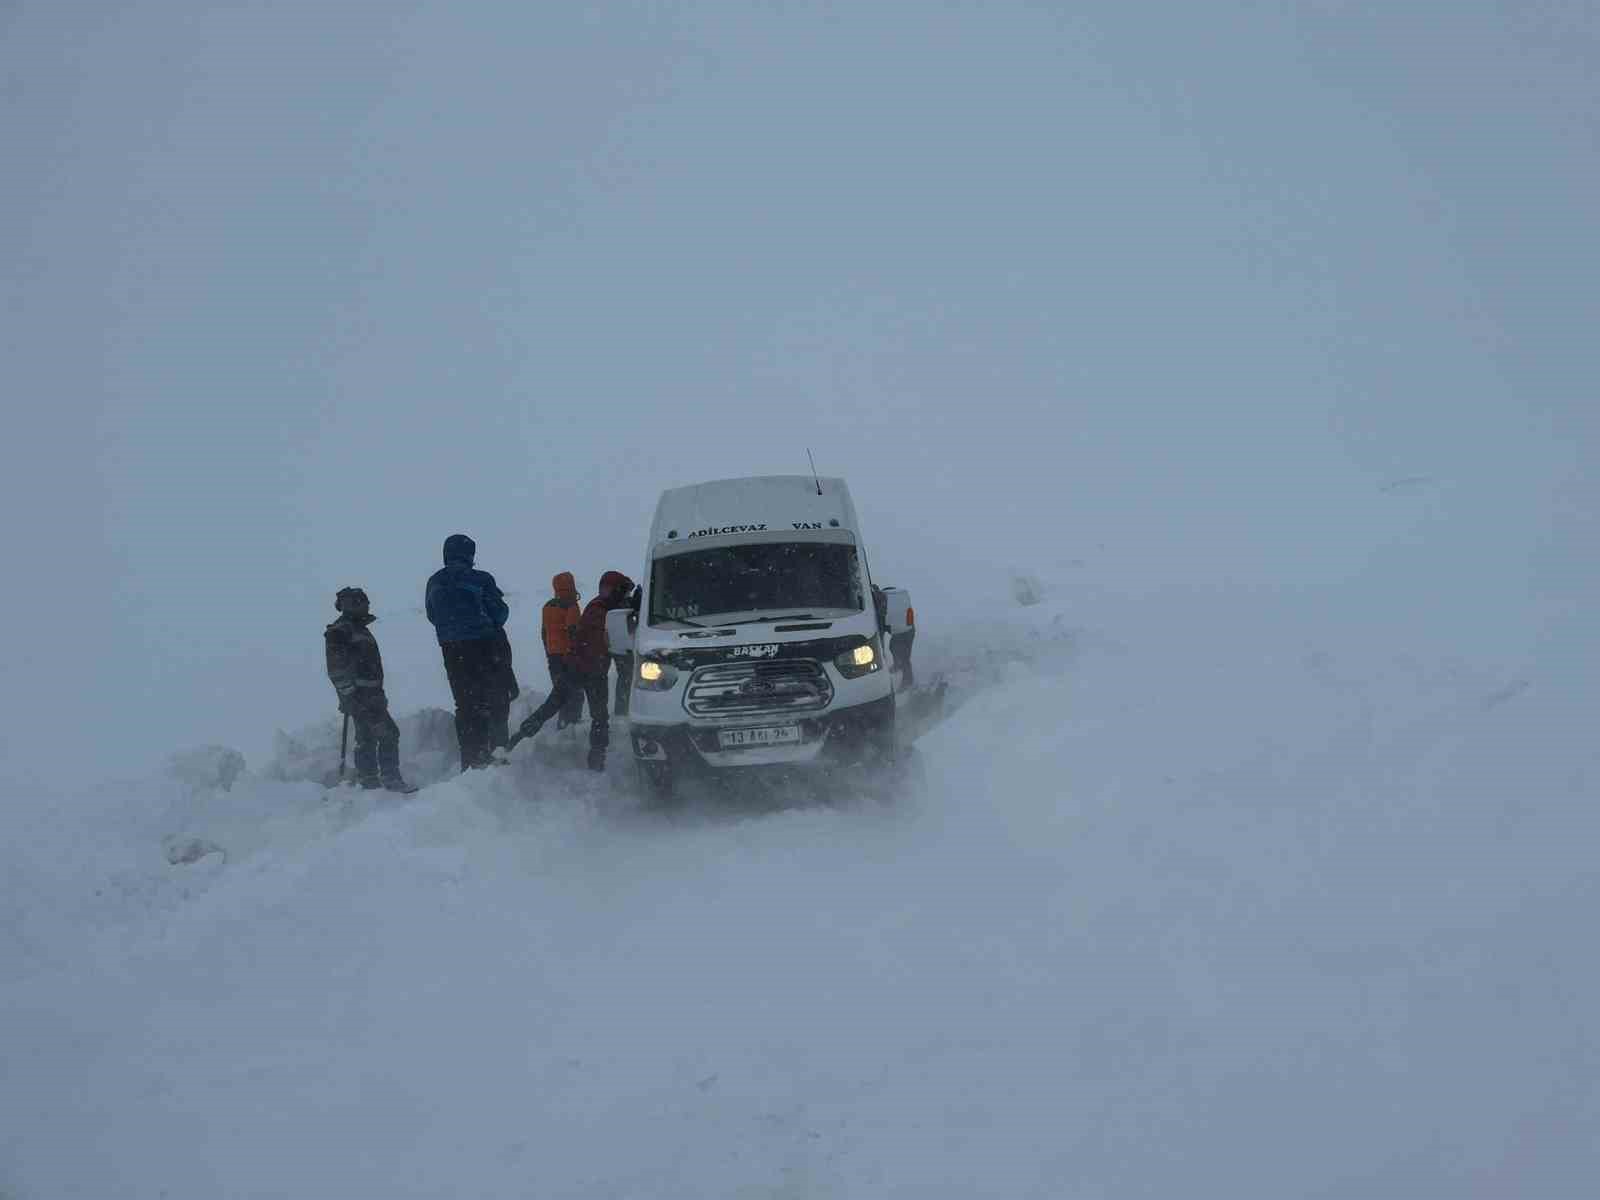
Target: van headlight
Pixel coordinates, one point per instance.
(858, 661)
(655, 676)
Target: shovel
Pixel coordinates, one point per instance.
(330, 780)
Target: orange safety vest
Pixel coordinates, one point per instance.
(560, 621)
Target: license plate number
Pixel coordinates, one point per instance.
(766, 735)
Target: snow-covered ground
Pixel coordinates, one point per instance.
(1220, 380)
(1180, 900)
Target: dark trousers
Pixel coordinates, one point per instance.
(624, 683)
(377, 753)
(593, 687)
(483, 703)
(900, 655)
(572, 710)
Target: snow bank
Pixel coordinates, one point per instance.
(1247, 913)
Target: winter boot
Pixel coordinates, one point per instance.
(597, 759)
(399, 785)
(371, 782)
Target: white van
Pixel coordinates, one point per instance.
(757, 641)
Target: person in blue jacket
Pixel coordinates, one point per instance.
(469, 614)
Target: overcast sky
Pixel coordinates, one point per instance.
(1283, 294)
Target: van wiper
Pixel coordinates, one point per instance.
(791, 617)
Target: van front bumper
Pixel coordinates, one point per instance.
(836, 737)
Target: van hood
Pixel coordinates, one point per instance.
(670, 639)
(686, 653)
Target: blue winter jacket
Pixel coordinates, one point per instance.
(463, 604)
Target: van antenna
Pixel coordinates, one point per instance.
(814, 470)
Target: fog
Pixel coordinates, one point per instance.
(1297, 300)
(1219, 378)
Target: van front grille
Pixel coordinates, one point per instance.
(758, 689)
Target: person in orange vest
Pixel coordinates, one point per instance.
(558, 631)
(593, 664)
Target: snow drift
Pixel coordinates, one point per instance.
(1113, 938)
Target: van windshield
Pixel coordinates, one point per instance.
(746, 581)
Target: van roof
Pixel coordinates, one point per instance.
(771, 503)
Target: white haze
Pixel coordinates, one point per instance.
(1262, 336)
(293, 292)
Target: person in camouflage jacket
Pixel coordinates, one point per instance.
(355, 668)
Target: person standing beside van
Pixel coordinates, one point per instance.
(593, 662)
(469, 612)
(558, 630)
(899, 643)
(625, 661)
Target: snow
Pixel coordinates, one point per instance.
(1220, 386)
(1109, 938)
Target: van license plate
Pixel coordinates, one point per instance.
(766, 735)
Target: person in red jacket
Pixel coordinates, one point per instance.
(591, 662)
(559, 632)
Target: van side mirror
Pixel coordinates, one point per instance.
(619, 638)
